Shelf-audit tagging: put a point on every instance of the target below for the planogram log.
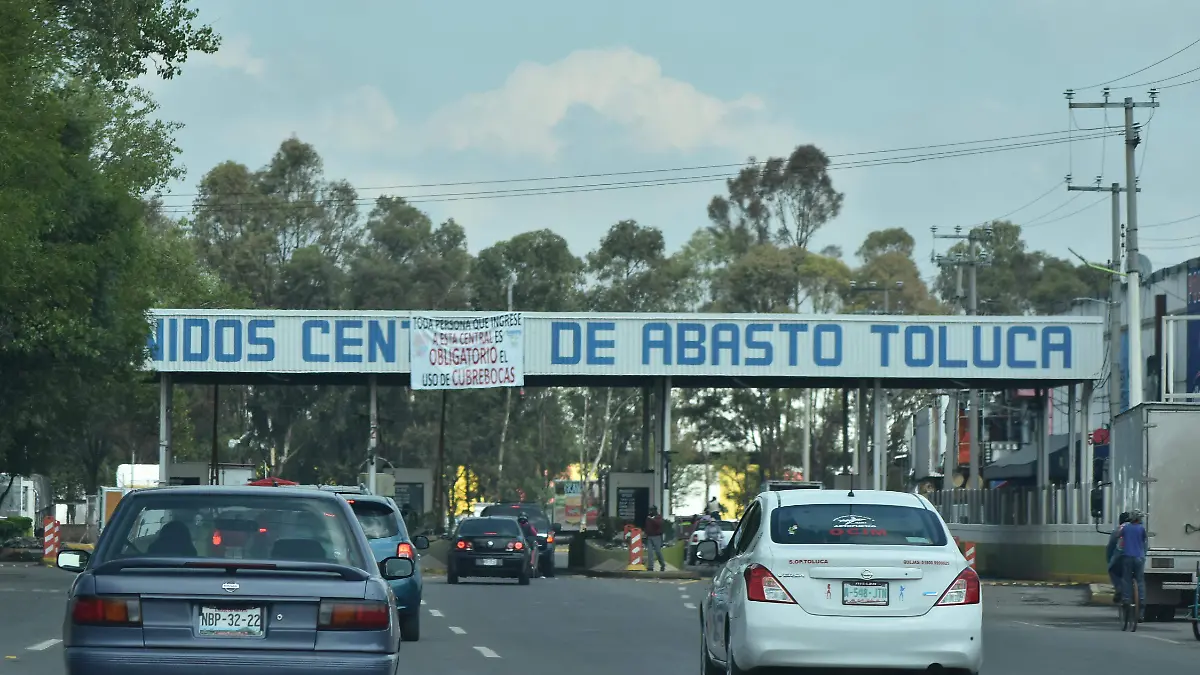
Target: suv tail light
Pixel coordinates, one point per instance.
(762, 586)
(404, 550)
(107, 611)
(963, 591)
(462, 545)
(356, 615)
(515, 546)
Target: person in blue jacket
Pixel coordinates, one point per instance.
(1113, 556)
(1133, 545)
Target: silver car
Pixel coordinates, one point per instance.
(237, 580)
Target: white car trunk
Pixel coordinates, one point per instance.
(865, 580)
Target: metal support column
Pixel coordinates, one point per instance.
(166, 391)
(664, 460)
(1088, 450)
(1043, 455)
(373, 443)
(860, 422)
(878, 398)
(1073, 489)
(647, 429)
(950, 458)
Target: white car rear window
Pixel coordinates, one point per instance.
(856, 524)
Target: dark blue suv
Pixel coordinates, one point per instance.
(388, 536)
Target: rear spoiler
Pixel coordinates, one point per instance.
(232, 566)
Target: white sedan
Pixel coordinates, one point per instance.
(836, 579)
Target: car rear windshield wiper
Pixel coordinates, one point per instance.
(233, 566)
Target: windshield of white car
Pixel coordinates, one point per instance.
(856, 524)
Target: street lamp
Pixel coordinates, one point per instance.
(876, 287)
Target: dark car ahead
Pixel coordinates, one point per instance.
(545, 531)
(490, 547)
(236, 580)
(388, 536)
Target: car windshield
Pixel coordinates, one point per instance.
(378, 521)
(234, 526)
(536, 516)
(857, 524)
(485, 527)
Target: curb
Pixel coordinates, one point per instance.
(628, 574)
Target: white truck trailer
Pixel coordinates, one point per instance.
(1156, 469)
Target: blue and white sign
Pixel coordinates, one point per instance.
(817, 346)
(556, 344)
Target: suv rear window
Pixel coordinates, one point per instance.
(483, 527)
(270, 527)
(378, 521)
(536, 515)
(856, 524)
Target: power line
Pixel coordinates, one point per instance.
(611, 185)
(1154, 82)
(1179, 84)
(1075, 212)
(1142, 70)
(1173, 222)
(701, 167)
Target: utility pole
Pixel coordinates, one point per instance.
(1114, 291)
(973, 259)
(1133, 301)
(512, 281)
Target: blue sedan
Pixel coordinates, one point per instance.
(236, 580)
(388, 536)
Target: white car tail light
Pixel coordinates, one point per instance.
(762, 586)
(963, 591)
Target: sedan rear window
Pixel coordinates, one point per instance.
(483, 527)
(378, 521)
(857, 524)
(234, 527)
(536, 516)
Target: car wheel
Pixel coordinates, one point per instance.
(523, 578)
(731, 666)
(548, 570)
(707, 666)
(451, 577)
(410, 627)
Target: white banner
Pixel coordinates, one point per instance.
(456, 352)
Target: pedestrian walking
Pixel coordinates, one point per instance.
(654, 540)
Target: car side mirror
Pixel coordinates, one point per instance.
(708, 550)
(1097, 503)
(72, 560)
(420, 542)
(396, 568)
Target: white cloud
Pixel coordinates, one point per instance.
(621, 85)
(234, 54)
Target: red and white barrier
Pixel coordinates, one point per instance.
(50, 540)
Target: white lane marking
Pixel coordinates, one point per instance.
(457, 631)
(42, 646)
(1026, 623)
(435, 612)
(487, 652)
(689, 605)
(1155, 637)
(685, 596)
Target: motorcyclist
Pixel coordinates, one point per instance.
(531, 536)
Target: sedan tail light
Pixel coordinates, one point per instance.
(107, 611)
(404, 550)
(462, 545)
(762, 586)
(963, 591)
(353, 615)
(515, 546)
(549, 539)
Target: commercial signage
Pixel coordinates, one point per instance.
(850, 347)
(464, 350)
(459, 352)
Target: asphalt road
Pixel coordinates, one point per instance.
(602, 626)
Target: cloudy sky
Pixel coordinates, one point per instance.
(405, 93)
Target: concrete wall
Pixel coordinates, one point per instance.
(1072, 553)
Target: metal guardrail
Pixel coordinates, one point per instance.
(1051, 505)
